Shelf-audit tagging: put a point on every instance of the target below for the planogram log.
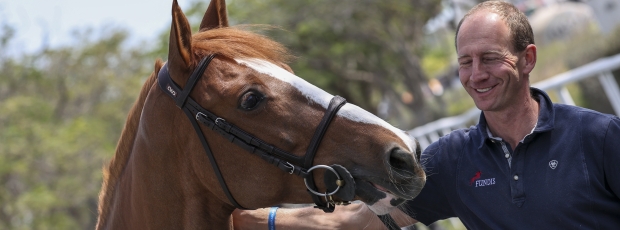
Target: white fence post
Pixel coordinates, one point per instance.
(565, 97)
(611, 90)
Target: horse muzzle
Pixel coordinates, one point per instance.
(402, 179)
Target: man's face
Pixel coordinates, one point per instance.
(489, 69)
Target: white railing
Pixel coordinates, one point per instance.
(431, 132)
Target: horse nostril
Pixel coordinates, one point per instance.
(401, 160)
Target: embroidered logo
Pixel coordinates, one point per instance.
(485, 182)
(476, 177)
(480, 183)
(553, 164)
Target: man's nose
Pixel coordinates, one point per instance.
(478, 71)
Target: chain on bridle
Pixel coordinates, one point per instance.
(340, 181)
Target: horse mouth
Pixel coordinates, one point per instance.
(372, 191)
(380, 188)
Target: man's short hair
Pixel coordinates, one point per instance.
(520, 29)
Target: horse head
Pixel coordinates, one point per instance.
(253, 113)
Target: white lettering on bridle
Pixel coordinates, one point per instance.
(174, 93)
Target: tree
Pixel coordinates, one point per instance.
(62, 113)
(367, 51)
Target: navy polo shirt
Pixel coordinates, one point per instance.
(564, 175)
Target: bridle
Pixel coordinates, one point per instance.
(339, 183)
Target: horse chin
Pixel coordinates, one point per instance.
(385, 205)
(379, 199)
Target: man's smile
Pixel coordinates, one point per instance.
(483, 90)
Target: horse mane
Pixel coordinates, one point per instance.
(232, 42)
(238, 42)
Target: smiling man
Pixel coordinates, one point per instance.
(527, 164)
(494, 68)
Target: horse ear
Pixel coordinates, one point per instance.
(180, 45)
(215, 16)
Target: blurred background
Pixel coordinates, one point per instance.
(70, 70)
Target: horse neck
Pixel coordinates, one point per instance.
(115, 168)
(160, 192)
(159, 187)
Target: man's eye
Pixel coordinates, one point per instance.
(465, 63)
(491, 59)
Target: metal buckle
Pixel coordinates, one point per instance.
(322, 194)
(290, 165)
(219, 119)
(198, 115)
(329, 200)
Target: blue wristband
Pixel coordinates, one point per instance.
(272, 218)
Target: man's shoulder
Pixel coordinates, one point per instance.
(453, 143)
(570, 113)
(459, 137)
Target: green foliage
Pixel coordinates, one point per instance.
(438, 54)
(366, 51)
(62, 113)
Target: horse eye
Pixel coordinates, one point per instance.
(250, 100)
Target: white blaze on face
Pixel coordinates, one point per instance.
(319, 96)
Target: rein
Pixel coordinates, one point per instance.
(342, 185)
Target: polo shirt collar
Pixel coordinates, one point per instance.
(546, 116)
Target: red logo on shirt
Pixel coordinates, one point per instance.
(476, 177)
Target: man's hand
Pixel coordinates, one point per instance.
(353, 216)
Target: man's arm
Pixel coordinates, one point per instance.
(612, 156)
(353, 216)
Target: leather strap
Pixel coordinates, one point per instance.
(334, 105)
(256, 146)
(389, 222)
(214, 165)
(180, 96)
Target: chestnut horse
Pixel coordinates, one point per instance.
(161, 178)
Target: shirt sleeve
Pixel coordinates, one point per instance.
(432, 203)
(612, 156)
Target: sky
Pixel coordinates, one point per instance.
(55, 19)
(50, 22)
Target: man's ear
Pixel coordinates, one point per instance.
(529, 58)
